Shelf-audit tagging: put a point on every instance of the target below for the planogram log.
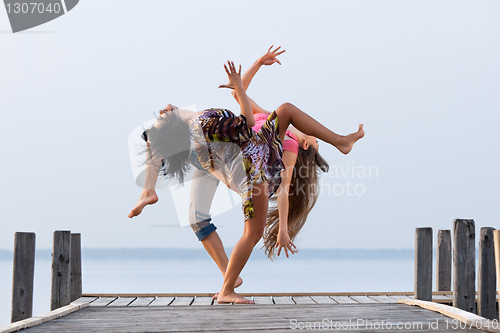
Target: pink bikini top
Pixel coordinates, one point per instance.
(290, 144)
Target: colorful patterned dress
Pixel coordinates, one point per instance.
(224, 142)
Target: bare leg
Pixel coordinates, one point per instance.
(213, 244)
(148, 195)
(252, 233)
(203, 188)
(290, 114)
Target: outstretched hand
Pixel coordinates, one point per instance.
(270, 57)
(284, 242)
(233, 75)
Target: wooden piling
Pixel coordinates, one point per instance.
(61, 291)
(76, 267)
(464, 265)
(443, 261)
(496, 238)
(23, 275)
(423, 264)
(486, 303)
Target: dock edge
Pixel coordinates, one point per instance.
(470, 319)
(43, 318)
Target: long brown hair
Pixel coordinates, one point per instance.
(169, 143)
(302, 197)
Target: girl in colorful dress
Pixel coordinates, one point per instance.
(213, 132)
(295, 197)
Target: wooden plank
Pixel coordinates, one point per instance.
(323, 300)
(86, 299)
(182, 301)
(443, 261)
(343, 299)
(396, 297)
(103, 301)
(303, 300)
(202, 300)
(76, 267)
(464, 267)
(40, 319)
(263, 300)
(162, 301)
(283, 300)
(142, 301)
(486, 300)
(469, 319)
(423, 264)
(61, 289)
(122, 301)
(363, 299)
(23, 276)
(383, 299)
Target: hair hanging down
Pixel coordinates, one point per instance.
(169, 144)
(303, 194)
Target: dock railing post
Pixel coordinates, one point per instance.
(76, 267)
(443, 261)
(61, 291)
(486, 304)
(464, 265)
(23, 275)
(496, 238)
(423, 264)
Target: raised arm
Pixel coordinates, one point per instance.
(267, 59)
(283, 239)
(240, 94)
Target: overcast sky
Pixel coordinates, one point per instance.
(423, 76)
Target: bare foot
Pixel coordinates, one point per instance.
(148, 197)
(349, 140)
(239, 282)
(233, 297)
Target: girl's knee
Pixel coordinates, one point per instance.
(285, 107)
(254, 235)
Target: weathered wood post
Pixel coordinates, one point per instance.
(76, 267)
(23, 275)
(464, 265)
(61, 294)
(443, 261)
(496, 238)
(423, 264)
(487, 303)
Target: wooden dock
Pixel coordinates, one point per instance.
(338, 312)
